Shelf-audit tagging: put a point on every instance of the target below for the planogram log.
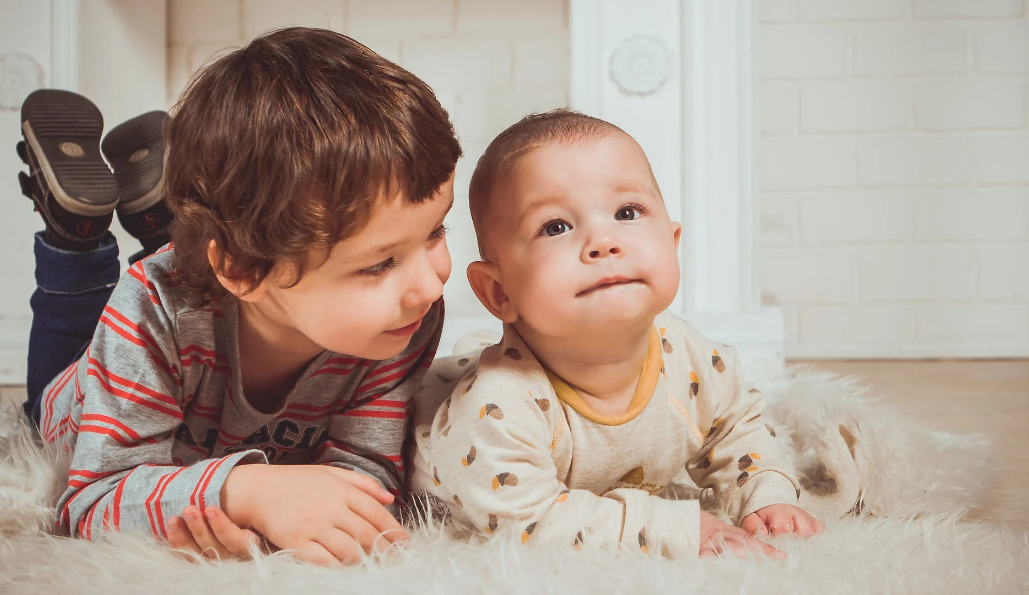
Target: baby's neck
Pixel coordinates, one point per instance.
(604, 368)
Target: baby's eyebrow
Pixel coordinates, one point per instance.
(537, 205)
(635, 189)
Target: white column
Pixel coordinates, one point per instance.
(678, 76)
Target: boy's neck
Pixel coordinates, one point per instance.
(271, 358)
(604, 368)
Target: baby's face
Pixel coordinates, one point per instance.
(580, 237)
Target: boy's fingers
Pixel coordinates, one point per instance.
(819, 525)
(316, 554)
(378, 517)
(237, 541)
(209, 545)
(364, 534)
(754, 545)
(179, 537)
(364, 483)
(342, 546)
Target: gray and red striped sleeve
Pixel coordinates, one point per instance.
(122, 474)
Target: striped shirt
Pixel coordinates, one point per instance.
(155, 418)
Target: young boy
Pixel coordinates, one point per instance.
(290, 323)
(596, 398)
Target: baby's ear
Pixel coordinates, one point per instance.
(485, 281)
(240, 286)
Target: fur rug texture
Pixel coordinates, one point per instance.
(892, 491)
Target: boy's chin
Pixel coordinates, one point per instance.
(380, 348)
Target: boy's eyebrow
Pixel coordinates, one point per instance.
(387, 247)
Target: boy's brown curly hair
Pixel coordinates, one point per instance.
(286, 145)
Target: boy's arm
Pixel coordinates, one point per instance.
(491, 457)
(741, 459)
(368, 434)
(122, 474)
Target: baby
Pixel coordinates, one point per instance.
(597, 397)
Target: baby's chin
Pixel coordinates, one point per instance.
(603, 317)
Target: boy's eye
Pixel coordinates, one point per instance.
(629, 213)
(555, 228)
(438, 233)
(380, 269)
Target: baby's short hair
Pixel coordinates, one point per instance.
(529, 133)
(287, 145)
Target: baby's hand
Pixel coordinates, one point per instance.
(717, 536)
(211, 534)
(782, 518)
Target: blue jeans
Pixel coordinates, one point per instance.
(72, 289)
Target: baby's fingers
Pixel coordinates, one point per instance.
(753, 524)
(806, 525)
(780, 523)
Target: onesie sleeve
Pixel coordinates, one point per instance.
(741, 457)
(491, 460)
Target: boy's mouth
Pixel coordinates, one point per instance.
(405, 331)
(607, 282)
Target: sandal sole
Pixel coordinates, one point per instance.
(62, 133)
(135, 150)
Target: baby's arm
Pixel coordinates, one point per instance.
(741, 459)
(491, 456)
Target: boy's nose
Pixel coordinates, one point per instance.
(425, 289)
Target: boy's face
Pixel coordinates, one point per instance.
(581, 239)
(368, 297)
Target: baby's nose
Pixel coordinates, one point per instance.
(599, 253)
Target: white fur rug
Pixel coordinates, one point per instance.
(913, 482)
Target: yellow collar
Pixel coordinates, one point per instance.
(644, 389)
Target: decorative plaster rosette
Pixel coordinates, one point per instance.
(20, 75)
(640, 65)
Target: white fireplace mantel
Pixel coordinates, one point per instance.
(677, 75)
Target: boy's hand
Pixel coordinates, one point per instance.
(210, 534)
(782, 518)
(325, 514)
(717, 536)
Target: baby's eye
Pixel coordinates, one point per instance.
(628, 213)
(556, 228)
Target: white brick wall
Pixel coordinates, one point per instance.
(489, 61)
(894, 153)
(895, 175)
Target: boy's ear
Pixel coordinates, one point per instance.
(677, 233)
(485, 281)
(244, 289)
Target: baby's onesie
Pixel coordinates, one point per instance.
(515, 448)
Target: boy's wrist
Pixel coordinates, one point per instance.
(240, 484)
